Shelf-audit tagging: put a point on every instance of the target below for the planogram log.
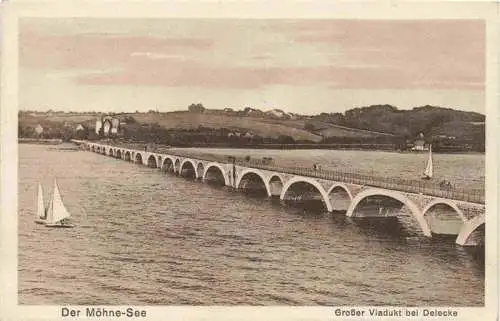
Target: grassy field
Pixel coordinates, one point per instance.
(256, 125)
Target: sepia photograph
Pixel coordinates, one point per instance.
(232, 161)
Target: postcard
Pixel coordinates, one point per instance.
(245, 161)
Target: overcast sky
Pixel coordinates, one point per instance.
(302, 66)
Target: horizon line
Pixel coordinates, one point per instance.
(236, 110)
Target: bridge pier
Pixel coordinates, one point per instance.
(472, 232)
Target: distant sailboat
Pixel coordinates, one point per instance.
(57, 214)
(429, 168)
(41, 213)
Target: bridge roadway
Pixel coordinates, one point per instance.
(437, 211)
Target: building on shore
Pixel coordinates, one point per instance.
(109, 126)
(419, 145)
(38, 130)
(115, 125)
(98, 126)
(106, 127)
(249, 135)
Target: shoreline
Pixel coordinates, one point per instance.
(339, 149)
(387, 148)
(40, 141)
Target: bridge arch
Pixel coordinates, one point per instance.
(152, 161)
(128, 156)
(415, 211)
(118, 153)
(467, 233)
(216, 167)
(104, 150)
(275, 184)
(340, 196)
(138, 159)
(167, 164)
(310, 181)
(444, 217)
(188, 164)
(98, 149)
(448, 203)
(249, 172)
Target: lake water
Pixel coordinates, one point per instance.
(148, 238)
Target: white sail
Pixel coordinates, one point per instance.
(57, 210)
(41, 206)
(50, 211)
(429, 169)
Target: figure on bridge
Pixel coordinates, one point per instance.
(446, 185)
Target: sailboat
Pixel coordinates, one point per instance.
(429, 168)
(57, 214)
(41, 213)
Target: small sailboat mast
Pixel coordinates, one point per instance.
(40, 212)
(428, 173)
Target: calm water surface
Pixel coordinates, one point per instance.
(143, 237)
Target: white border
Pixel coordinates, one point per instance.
(9, 309)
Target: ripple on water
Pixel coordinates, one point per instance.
(147, 238)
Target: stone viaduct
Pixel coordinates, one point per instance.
(434, 214)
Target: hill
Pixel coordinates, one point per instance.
(256, 125)
(377, 123)
(428, 120)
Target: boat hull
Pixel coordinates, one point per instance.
(40, 221)
(59, 225)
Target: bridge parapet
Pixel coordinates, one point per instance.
(471, 210)
(392, 183)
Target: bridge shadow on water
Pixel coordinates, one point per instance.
(377, 227)
(390, 227)
(306, 208)
(254, 193)
(475, 256)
